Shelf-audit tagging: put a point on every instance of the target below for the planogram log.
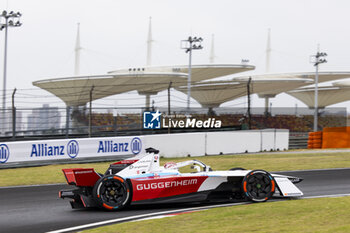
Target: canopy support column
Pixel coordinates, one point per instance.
(266, 106)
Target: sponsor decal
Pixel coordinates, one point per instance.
(72, 148)
(151, 120)
(166, 184)
(170, 165)
(191, 123)
(43, 149)
(4, 153)
(83, 172)
(111, 146)
(136, 145)
(155, 120)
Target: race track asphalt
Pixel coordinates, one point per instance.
(38, 208)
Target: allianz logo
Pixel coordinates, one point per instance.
(109, 146)
(43, 149)
(4, 153)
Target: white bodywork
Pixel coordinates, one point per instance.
(148, 165)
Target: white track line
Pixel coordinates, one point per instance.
(142, 216)
(139, 217)
(330, 195)
(30, 186)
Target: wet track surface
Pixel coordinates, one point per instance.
(38, 208)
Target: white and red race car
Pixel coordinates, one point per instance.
(142, 180)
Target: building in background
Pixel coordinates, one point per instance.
(6, 124)
(45, 118)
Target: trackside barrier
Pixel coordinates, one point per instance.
(315, 140)
(336, 137)
(170, 145)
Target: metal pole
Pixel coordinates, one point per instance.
(13, 114)
(316, 91)
(316, 99)
(115, 125)
(90, 112)
(4, 80)
(266, 106)
(169, 97)
(189, 78)
(5, 67)
(248, 92)
(148, 102)
(169, 112)
(67, 121)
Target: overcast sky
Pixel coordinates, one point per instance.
(114, 34)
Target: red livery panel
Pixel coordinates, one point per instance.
(156, 187)
(128, 161)
(81, 176)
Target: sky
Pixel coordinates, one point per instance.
(113, 35)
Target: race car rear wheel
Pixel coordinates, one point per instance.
(258, 185)
(111, 192)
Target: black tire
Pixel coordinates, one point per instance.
(258, 186)
(237, 169)
(111, 193)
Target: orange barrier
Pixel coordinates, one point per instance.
(315, 140)
(336, 137)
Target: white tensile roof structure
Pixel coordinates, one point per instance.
(322, 77)
(212, 94)
(327, 95)
(75, 91)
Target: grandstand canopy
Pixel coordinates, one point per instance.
(212, 94)
(327, 95)
(322, 77)
(75, 91)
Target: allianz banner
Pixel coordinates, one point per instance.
(69, 149)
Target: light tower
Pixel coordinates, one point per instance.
(317, 59)
(192, 43)
(12, 19)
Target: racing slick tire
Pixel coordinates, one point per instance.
(258, 185)
(111, 193)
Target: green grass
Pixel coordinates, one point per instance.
(307, 215)
(269, 162)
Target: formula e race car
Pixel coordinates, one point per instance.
(141, 180)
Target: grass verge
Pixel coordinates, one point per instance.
(270, 162)
(307, 215)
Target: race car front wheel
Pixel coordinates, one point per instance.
(111, 192)
(258, 185)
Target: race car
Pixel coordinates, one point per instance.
(141, 180)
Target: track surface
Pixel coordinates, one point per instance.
(38, 209)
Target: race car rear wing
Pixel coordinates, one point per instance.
(81, 176)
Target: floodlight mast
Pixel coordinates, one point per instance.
(190, 44)
(12, 19)
(319, 59)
